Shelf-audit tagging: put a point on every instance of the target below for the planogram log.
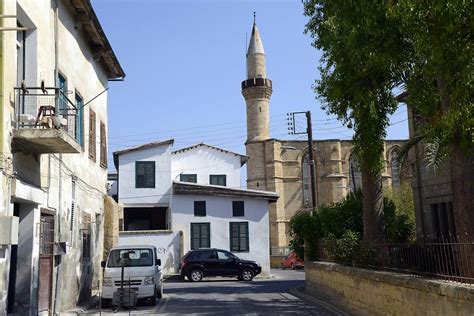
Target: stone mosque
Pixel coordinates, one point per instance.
(282, 165)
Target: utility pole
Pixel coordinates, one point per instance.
(309, 132)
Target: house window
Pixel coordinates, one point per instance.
(199, 208)
(79, 132)
(144, 174)
(238, 208)
(443, 221)
(103, 146)
(92, 144)
(218, 179)
(63, 106)
(188, 178)
(200, 235)
(20, 53)
(239, 237)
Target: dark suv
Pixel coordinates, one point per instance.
(200, 263)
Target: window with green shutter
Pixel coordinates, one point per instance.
(144, 174)
(239, 236)
(200, 235)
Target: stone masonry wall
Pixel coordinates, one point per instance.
(385, 293)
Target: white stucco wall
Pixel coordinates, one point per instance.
(55, 173)
(167, 244)
(205, 161)
(157, 196)
(219, 215)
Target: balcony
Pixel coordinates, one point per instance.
(46, 122)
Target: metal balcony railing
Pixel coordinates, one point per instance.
(43, 108)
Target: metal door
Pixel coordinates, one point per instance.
(45, 262)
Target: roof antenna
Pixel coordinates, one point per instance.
(253, 17)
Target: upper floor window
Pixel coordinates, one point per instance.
(103, 146)
(395, 168)
(144, 174)
(199, 208)
(79, 132)
(92, 144)
(188, 178)
(218, 179)
(63, 106)
(238, 208)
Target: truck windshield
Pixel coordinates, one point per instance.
(130, 258)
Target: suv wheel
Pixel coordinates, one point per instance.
(195, 275)
(247, 275)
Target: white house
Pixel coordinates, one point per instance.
(53, 153)
(205, 205)
(144, 185)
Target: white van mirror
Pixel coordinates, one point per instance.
(158, 262)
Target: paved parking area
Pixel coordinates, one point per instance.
(225, 296)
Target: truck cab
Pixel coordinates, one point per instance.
(141, 273)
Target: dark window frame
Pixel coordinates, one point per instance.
(184, 177)
(238, 247)
(103, 145)
(145, 185)
(217, 177)
(200, 209)
(238, 209)
(92, 135)
(201, 242)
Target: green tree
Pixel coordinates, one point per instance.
(360, 66)
(439, 80)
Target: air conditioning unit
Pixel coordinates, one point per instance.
(9, 230)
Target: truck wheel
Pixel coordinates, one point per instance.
(159, 293)
(153, 299)
(195, 275)
(247, 275)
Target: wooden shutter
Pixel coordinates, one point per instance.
(103, 146)
(92, 144)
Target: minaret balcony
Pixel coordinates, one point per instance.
(256, 82)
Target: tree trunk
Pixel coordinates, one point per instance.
(372, 201)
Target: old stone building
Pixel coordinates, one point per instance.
(282, 165)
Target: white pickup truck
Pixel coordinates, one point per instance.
(141, 273)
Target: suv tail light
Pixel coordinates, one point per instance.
(183, 263)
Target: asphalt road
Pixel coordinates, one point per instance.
(225, 296)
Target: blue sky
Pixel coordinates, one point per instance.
(185, 61)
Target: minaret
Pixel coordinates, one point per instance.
(257, 90)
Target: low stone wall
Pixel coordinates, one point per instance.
(275, 261)
(385, 293)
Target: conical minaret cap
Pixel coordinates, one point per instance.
(255, 44)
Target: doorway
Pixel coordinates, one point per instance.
(46, 262)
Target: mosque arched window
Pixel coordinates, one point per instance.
(355, 177)
(395, 168)
(307, 196)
